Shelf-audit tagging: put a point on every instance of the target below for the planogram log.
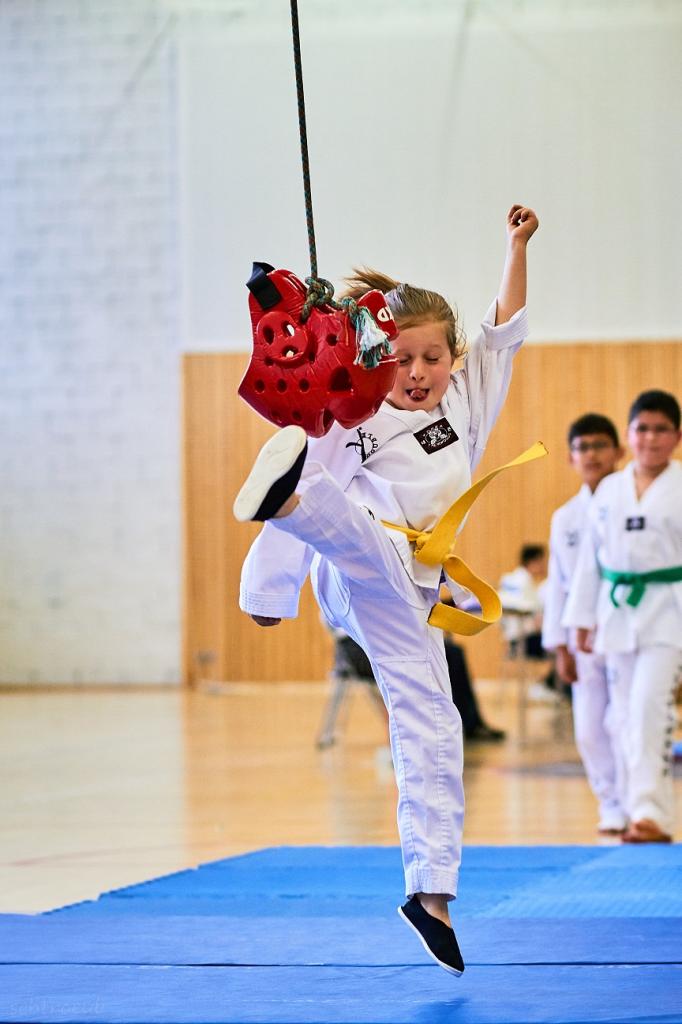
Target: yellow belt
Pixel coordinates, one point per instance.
(434, 547)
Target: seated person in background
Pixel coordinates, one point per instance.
(463, 696)
(475, 728)
(350, 654)
(521, 592)
(349, 657)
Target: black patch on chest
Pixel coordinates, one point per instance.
(635, 523)
(436, 436)
(572, 538)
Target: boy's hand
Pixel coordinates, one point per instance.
(565, 665)
(583, 639)
(264, 620)
(521, 223)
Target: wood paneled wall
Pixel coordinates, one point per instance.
(552, 385)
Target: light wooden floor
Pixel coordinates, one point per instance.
(101, 789)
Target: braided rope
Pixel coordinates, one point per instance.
(320, 291)
(304, 139)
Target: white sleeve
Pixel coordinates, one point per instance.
(580, 611)
(553, 633)
(273, 573)
(487, 373)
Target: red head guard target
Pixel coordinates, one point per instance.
(305, 373)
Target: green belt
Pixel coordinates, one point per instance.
(637, 581)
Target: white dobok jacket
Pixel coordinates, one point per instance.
(405, 467)
(630, 534)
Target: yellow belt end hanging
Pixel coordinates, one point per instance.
(455, 620)
(434, 548)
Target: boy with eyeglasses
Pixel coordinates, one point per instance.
(628, 587)
(594, 452)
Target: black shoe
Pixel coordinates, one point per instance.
(485, 734)
(274, 476)
(437, 939)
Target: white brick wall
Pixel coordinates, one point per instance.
(89, 347)
(95, 120)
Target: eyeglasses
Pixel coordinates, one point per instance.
(659, 428)
(582, 447)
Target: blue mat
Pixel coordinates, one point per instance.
(553, 934)
(334, 881)
(352, 872)
(238, 941)
(496, 881)
(338, 995)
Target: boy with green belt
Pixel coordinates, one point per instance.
(628, 589)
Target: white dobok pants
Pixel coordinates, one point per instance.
(362, 587)
(642, 685)
(593, 729)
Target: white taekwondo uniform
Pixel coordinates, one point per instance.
(643, 644)
(590, 694)
(406, 467)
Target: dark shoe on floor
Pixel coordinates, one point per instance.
(485, 734)
(646, 831)
(437, 939)
(274, 476)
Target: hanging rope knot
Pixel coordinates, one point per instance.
(320, 293)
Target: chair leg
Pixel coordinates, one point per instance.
(514, 669)
(377, 699)
(330, 715)
(522, 677)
